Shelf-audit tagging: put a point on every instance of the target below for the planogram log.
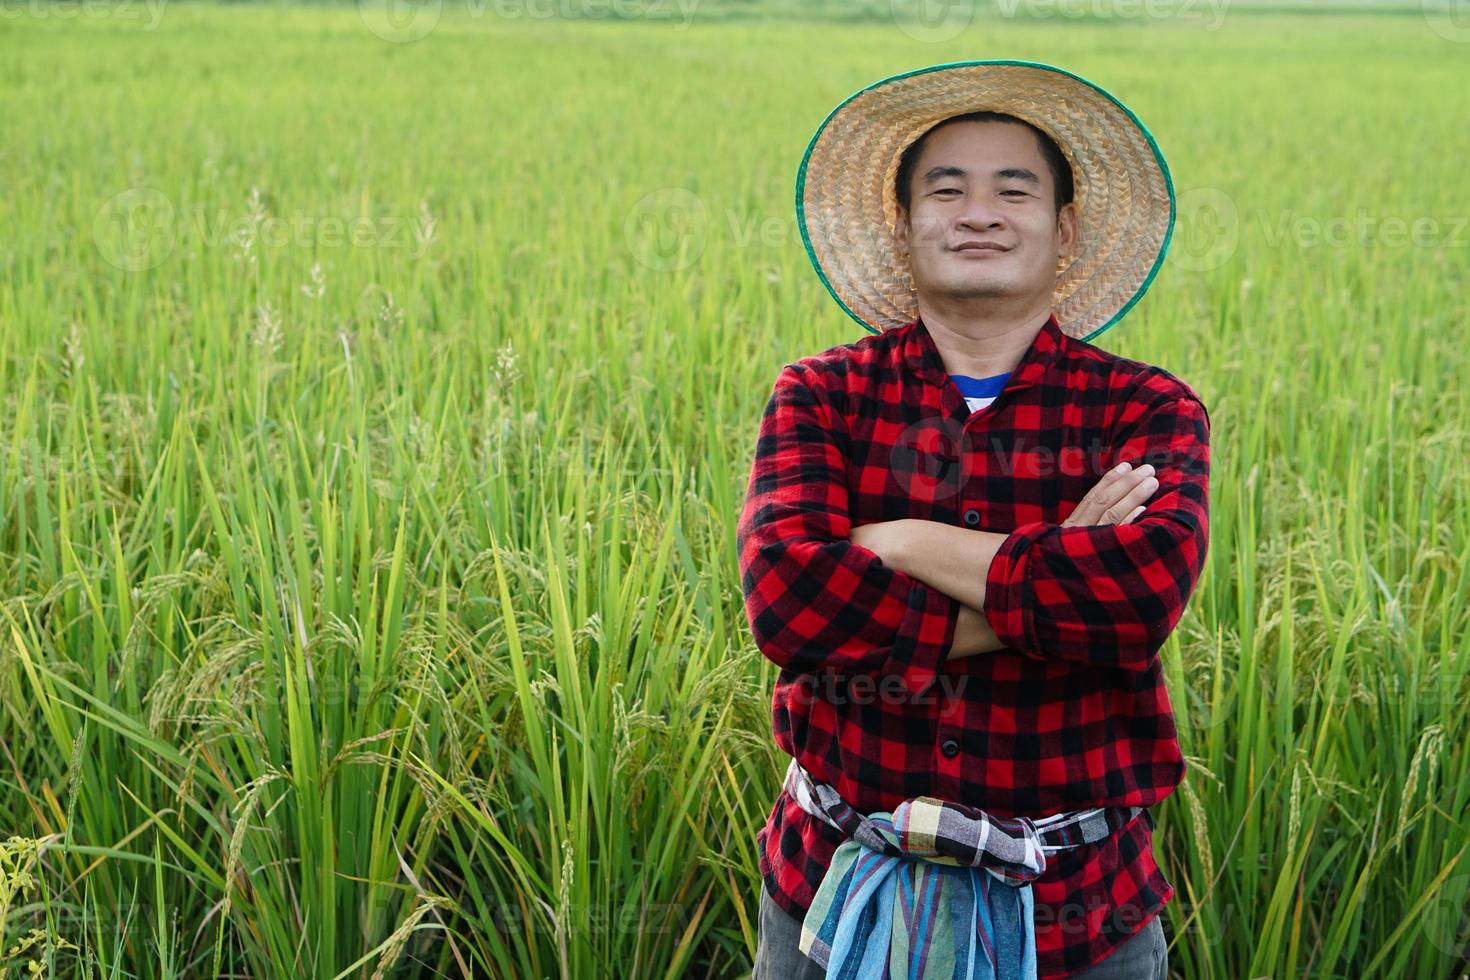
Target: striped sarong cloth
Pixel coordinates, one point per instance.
(933, 890)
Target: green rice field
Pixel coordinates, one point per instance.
(380, 388)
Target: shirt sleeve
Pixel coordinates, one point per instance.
(815, 600)
(1109, 595)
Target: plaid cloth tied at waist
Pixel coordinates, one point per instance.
(904, 895)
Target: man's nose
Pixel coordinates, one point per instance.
(980, 215)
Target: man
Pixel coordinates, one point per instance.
(967, 598)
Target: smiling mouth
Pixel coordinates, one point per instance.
(980, 250)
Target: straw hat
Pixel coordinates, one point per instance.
(847, 210)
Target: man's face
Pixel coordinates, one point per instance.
(985, 184)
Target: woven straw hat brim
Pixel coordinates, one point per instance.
(847, 209)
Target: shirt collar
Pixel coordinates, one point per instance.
(922, 357)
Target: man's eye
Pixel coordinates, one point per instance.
(1022, 193)
(948, 190)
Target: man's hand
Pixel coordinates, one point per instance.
(884, 539)
(1117, 498)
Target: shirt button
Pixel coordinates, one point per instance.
(972, 517)
(950, 748)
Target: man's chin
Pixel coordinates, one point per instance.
(975, 289)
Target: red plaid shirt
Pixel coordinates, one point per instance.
(1073, 713)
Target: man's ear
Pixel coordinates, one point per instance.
(901, 232)
(1068, 229)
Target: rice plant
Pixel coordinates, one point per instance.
(378, 412)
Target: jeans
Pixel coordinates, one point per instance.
(1143, 956)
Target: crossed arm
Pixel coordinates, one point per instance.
(951, 559)
(819, 598)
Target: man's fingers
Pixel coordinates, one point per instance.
(1139, 473)
(1143, 490)
(1124, 471)
(1119, 492)
(1106, 498)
